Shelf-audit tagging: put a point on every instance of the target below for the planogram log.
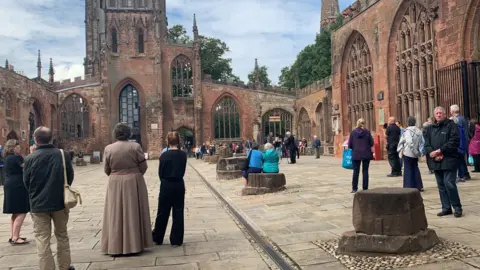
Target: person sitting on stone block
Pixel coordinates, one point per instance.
(270, 159)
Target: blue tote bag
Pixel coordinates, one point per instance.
(347, 159)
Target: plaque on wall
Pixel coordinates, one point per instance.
(154, 126)
(381, 116)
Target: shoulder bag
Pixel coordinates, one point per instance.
(71, 196)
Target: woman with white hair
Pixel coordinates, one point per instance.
(270, 159)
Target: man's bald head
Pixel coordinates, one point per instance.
(392, 120)
(42, 135)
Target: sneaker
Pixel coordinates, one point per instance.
(445, 213)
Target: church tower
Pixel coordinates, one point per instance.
(330, 12)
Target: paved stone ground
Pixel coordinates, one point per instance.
(212, 239)
(317, 205)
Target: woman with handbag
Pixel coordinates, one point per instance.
(361, 143)
(253, 163)
(126, 218)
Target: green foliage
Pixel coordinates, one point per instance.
(313, 63)
(262, 76)
(212, 51)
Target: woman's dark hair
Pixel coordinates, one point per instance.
(411, 121)
(255, 146)
(10, 147)
(122, 132)
(173, 138)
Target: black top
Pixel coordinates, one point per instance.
(172, 165)
(12, 165)
(43, 178)
(443, 135)
(393, 135)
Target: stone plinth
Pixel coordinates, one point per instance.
(388, 220)
(80, 162)
(95, 160)
(261, 183)
(225, 152)
(230, 168)
(213, 159)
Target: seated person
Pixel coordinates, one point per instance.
(270, 159)
(255, 164)
(198, 153)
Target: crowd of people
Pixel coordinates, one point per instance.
(446, 143)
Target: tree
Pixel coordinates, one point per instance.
(212, 51)
(313, 63)
(262, 76)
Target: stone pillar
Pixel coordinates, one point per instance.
(431, 100)
(418, 113)
(425, 107)
(411, 110)
(404, 107)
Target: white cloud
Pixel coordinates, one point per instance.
(274, 31)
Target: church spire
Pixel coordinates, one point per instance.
(51, 72)
(195, 27)
(39, 66)
(6, 63)
(330, 12)
(256, 75)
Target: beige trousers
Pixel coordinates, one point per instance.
(42, 227)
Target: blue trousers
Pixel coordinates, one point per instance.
(462, 167)
(447, 187)
(411, 173)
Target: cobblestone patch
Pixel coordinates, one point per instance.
(444, 251)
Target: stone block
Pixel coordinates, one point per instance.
(225, 152)
(389, 211)
(230, 168)
(95, 160)
(261, 183)
(80, 162)
(353, 243)
(214, 159)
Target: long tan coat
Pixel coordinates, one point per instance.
(126, 218)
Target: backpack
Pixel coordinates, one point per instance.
(414, 143)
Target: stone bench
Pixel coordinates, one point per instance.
(230, 168)
(261, 183)
(388, 220)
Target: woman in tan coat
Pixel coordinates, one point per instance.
(126, 218)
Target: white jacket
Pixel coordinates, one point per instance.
(410, 137)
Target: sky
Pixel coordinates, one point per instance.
(274, 31)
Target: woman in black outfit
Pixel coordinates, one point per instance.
(172, 192)
(16, 200)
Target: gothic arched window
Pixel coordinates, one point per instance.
(140, 41)
(8, 105)
(304, 125)
(130, 110)
(277, 121)
(415, 77)
(360, 84)
(74, 118)
(182, 77)
(226, 119)
(114, 41)
(113, 3)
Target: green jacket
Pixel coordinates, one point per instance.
(270, 161)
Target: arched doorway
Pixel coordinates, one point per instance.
(277, 121)
(12, 135)
(226, 119)
(186, 136)
(34, 120)
(129, 110)
(304, 125)
(320, 120)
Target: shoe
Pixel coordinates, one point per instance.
(10, 239)
(458, 213)
(460, 180)
(353, 191)
(445, 213)
(467, 177)
(394, 175)
(71, 267)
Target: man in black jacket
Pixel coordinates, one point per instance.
(393, 133)
(44, 179)
(442, 140)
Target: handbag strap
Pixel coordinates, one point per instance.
(64, 169)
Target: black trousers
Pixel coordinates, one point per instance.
(172, 197)
(476, 163)
(394, 160)
(356, 173)
(293, 155)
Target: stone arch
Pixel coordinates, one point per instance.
(357, 80)
(12, 135)
(278, 121)
(129, 110)
(320, 122)
(182, 76)
(186, 134)
(74, 117)
(35, 118)
(140, 38)
(226, 118)
(471, 32)
(412, 62)
(304, 125)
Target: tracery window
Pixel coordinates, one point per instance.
(114, 41)
(112, 3)
(359, 84)
(124, 3)
(277, 121)
(8, 105)
(415, 77)
(304, 124)
(226, 119)
(130, 110)
(74, 118)
(182, 77)
(140, 41)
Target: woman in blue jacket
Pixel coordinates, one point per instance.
(270, 159)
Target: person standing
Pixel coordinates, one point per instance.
(43, 176)
(126, 216)
(15, 198)
(290, 147)
(474, 148)
(361, 143)
(463, 173)
(171, 172)
(411, 147)
(393, 137)
(316, 145)
(442, 140)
